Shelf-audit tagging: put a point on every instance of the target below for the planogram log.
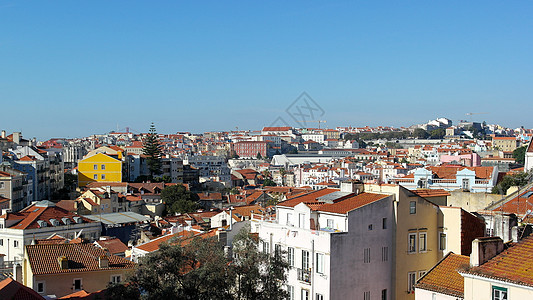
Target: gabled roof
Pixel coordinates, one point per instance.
(114, 245)
(307, 197)
(349, 204)
(182, 236)
(43, 259)
(38, 212)
(443, 277)
(13, 290)
(513, 265)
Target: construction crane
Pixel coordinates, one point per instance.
(471, 113)
(316, 121)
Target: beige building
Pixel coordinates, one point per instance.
(506, 144)
(425, 233)
(62, 269)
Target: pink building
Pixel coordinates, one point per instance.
(468, 160)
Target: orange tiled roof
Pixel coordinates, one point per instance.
(443, 277)
(31, 214)
(114, 246)
(43, 259)
(349, 204)
(308, 197)
(513, 265)
(11, 289)
(428, 193)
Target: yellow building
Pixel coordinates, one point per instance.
(425, 233)
(62, 269)
(99, 168)
(506, 144)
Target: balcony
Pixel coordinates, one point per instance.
(304, 275)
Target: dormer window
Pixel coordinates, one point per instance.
(42, 224)
(54, 222)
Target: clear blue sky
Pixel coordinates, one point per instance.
(73, 68)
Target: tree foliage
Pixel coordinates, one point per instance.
(438, 133)
(269, 182)
(178, 199)
(200, 270)
(518, 179)
(519, 154)
(152, 150)
(195, 271)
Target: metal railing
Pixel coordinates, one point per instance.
(304, 275)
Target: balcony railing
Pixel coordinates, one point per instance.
(304, 275)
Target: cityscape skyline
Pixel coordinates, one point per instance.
(194, 67)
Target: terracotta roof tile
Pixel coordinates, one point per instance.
(43, 259)
(512, 265)
(349, 204)
(443, 277)
(10, 289)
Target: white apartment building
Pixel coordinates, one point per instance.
(339, 243)
(40, 221)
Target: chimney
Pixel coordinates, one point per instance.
(3, 134)
(484, 249)
(352, 186)
(103, 262)
(16, 137)
(17, 272)
(63, 262)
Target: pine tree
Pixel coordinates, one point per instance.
(152, 149)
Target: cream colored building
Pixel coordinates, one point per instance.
(499, 274)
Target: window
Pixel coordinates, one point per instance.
(319, 297)
(411, 280)
(40, 287)
(370, 227)
(290, 290)
(77, 284)
(95, 167)
(384, 223)
(499, 293)
(290, 256)
(320, 263)
(1, 242)
(301, 220)
(442, 241)
(305, 259)
(384, 253)
(412, 243)
(384, 294)
(305, 294)
(289, 218)
(277, 250)
(421, 274)
(103, 167)
(103, 176)
(366, 295)
(116, 278)
(1, 185)
(422, 242)
(330, 223)
(16, 244)
(412, 207)
(366, 254)
(95, 176)
(266, 247)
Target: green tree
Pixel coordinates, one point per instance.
(420, 133)
(178, 199)
(269, 182)
(259, 156)
(194, 271)
(258, 275)
(438, 133)
(152, 150)
(519, 155)
(518, 179)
